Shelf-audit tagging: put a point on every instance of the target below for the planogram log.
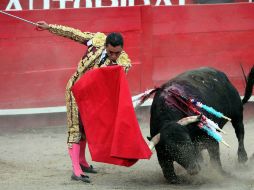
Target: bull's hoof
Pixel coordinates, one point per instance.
(224, 173)
(174, 181)
(171, 178)
(178, 180)
(242, 156)
(83, 178)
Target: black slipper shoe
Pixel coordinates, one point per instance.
(83, 178)
(88, 169)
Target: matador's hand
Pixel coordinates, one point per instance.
(42, 25)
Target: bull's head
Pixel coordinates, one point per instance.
(174, 136)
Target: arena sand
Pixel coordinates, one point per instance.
(33, 156)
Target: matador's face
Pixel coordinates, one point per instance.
(113, 52)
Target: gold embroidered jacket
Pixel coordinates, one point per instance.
(96, 45)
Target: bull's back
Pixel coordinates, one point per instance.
(211, 87)
(207, 85)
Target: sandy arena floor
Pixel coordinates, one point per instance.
(33, 156)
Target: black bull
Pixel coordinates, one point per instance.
(183, 144)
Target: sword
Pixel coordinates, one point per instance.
(8, 14)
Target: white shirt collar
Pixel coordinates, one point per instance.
(103, 54)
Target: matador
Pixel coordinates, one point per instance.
(102, 50)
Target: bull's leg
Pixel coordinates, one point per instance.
(214, 153)
(239, 131)
(200, 158)
(198, 153)
(167, 167)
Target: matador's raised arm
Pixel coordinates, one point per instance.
(71, 33)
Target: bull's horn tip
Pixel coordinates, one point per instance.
(151, 145)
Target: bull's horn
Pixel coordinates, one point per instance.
(187, 120)
(151, 145)
(155, 140)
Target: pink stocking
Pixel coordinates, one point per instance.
(82, 158)
(74, 154)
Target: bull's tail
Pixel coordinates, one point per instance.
(141, 98)
(249, 86)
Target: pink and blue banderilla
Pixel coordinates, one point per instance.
(209, 126)
(209, 109)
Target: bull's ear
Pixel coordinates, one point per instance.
(188, 120)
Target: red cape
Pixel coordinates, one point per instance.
(109, 119)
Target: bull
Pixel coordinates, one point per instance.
(180, 140)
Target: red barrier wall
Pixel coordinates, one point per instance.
(220, 36)
(161, 41)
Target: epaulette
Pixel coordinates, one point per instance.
(99, 39)
(124, 60)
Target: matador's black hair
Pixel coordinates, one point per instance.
(114, 39)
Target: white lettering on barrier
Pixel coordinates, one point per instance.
(147, 2)
(76, 3)
(98, 3)
(31, 4)
(167, 2)
(62, 3)
(123, 3)
(17, 4)
(89, 4)
(46, 4)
